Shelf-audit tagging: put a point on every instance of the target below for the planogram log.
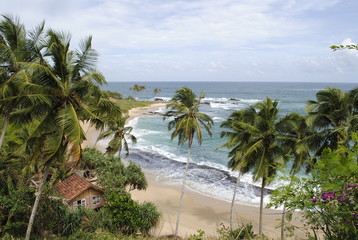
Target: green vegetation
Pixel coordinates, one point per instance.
(137, 88)
(117, 128)
(113, 95)
(329, 198)
(48, 90)
(187, 123)
(255, 137)
(157, 91)
(127, 104)
(113, 175)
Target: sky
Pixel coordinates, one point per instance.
(207, 40)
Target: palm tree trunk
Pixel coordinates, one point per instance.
(182, 193)
(100, 132)
(36, 204)
(261, 205)
(233, 199)
(283, 222)
(6, 123)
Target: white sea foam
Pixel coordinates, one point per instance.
(207, 99)
(164, 151)
(161, 110)
(218, 119)
(133, 122)
(250, 101)
(165, 99)
(244, 195)
(226, 105)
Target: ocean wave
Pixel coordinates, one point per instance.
(163, 151)
(160, 99)
(226, 105)
(201, 178)
(143, 132)
(218, 119)
(133, 122)
(250, 101)
(215, 99)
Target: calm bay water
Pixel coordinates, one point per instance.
(208, 173)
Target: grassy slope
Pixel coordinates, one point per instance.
(127, 104)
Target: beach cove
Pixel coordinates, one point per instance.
(200, 211)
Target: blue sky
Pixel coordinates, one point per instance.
(207, 40)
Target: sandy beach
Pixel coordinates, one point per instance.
(200, 211)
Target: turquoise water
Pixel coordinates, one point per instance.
(208, 173)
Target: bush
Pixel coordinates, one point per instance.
(328, 200)
(243, 232)
(15, 201)
(55, 217)
(130, 216)
(149, 216)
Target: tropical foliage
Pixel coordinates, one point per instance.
(137, 88)
(187, 123)
(120, 132)
(329, 198)
(157, 91)
(113, 175)
(333, 117)
(254, 139)
(47, 91)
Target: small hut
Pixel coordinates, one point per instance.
(78, 192)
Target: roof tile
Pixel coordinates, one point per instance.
(73, 186)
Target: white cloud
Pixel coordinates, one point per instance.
(183, 36)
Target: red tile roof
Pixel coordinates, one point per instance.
(73, 186)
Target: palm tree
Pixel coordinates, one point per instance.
(236, 142)
(15, 50)
(157, 90)
(70, 79)
(333, 115)
(120, 132)
(299, 140)
(137, 88)
(254, 138)
(186, 124)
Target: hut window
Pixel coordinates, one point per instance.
(95, 199)
(79, 203)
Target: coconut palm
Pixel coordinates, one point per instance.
(236, 142)
(120, 132)
(157, 91)
(137, 88)
(71, 80)
(187, 123)
(16, 49)
(333, 115)
(254, 138)
(299, 139)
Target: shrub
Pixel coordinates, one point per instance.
(328, 200)
(130, 216)
(243, 232)
(15, 199)
(199, 236)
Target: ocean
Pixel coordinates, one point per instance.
(208, 172)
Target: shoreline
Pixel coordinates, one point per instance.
(200, 211)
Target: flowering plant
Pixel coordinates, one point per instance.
(328, 199)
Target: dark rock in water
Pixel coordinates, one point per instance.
(234, 99)
(207, 103)
(159, 99)
(199, 173)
